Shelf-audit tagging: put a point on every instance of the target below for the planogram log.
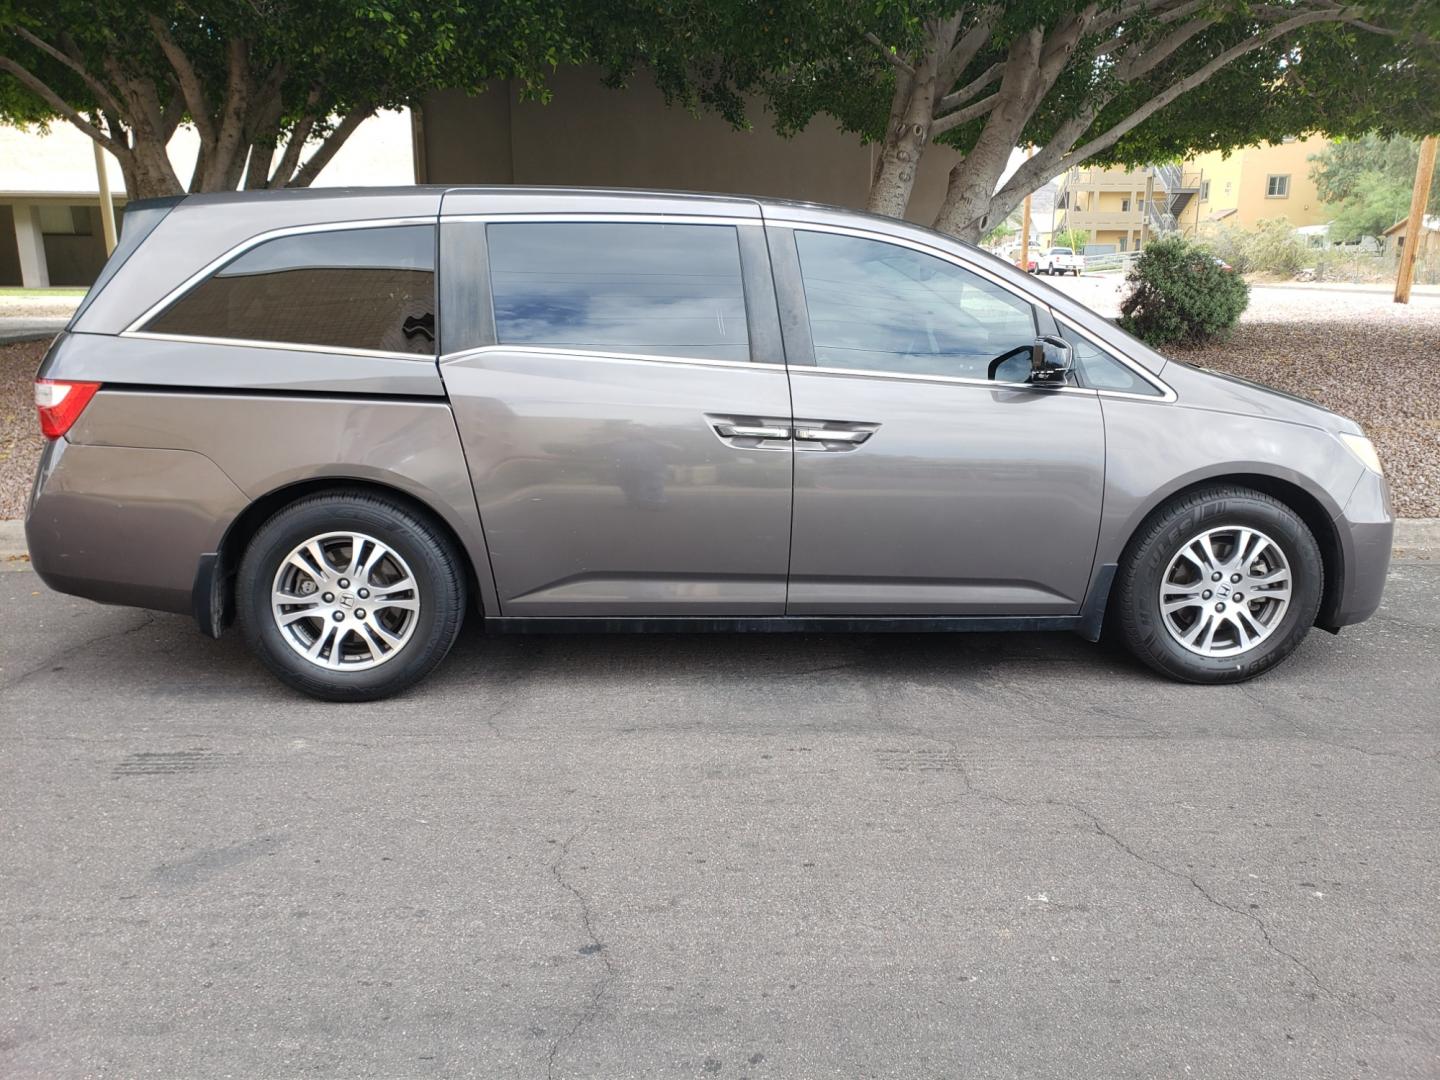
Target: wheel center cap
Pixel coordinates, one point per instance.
(1222, 590)
(347, 600)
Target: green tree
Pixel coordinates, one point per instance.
(1074, 239)
(1367, 182)
(1105, 80)
(256, 78)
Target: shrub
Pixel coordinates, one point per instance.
(1179, 293)
(1273, 248)
(1231, 244)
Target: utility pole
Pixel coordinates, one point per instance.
(1025, 226)
(1415, 227)
(1145, 207)
(107, 205)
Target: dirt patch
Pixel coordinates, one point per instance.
(20, 439)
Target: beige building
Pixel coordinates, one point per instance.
(1257, 183)
(590, 135)
(1251, 185)
(1118, 208)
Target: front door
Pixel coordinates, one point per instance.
(922, 485)
(627, 427)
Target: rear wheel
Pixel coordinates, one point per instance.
(1219, 586)
(348, 596)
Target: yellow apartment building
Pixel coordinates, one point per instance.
(1257, 183)
(1119, 207)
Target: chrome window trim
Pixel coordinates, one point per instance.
(955, 380)
(283, 346)
(1167, 395)
(732, 221)
(601, 217)
(610, 355)
(914, 245)
(135, 328)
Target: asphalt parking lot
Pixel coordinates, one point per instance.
(848, 856)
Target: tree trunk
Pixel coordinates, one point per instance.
(911, 115)
(966, 211)
(151, 174)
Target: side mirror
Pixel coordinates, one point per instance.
(1050, 361)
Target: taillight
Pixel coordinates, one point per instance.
(60, 403)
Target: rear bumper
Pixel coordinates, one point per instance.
(1366, 529)
(127, 525)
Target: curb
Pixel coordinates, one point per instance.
(13, 553)
(1415, 538)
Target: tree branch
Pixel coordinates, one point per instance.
(330, 146)
(290, 158)
(966, 49)
(1194, 79)
(98, 88)
(950, 121)
(56, 102)
(190, 83)
(970, 89)
(889, 54)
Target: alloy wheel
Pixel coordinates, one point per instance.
(1225, 591)
(345, 601)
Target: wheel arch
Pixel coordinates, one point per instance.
(1303, 502)
(214, 594)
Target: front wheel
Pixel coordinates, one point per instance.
(1219, 586)
(348, 596)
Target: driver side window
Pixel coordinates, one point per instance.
(880, 307)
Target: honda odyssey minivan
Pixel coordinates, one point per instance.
(350, 419)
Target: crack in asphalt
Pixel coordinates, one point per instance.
(49, 663)
(1307, 735)
(595, 948)
(1210, 897)
(973, 791)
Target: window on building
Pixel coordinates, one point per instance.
(880, 307)
(650, 289)
(345, 289)
(1204, 190)
(1124, 206)
(1123, 241)
(1277, 187)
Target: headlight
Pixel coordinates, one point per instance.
(1363, 449)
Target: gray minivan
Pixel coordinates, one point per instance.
(349, 418)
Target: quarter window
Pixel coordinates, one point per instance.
(636, 287)
(881, 307)
(345, 289)
(1102, 370)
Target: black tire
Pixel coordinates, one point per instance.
(1158, 541)
(432, 559)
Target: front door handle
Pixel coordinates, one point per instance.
(811, 434)
(751, 431)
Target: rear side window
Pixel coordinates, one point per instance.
(650, 289)
(345, 289)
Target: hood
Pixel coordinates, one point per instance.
(1202, 388)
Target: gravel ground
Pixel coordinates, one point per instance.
(20, 439)
(1352, 351)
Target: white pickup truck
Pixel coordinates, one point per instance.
(1060, 260)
